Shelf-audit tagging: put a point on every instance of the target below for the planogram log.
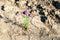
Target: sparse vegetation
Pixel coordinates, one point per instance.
(26, 22)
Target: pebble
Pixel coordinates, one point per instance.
(31, 11)
(29, 7)
(26, 3)
(43, 19)
(57, 17)
(52, 12)
(41, 12)
(16, 0)
(2, 7)
(1, 16)
(47, 3)
(39, 6)
(56, 4)
(16, 13)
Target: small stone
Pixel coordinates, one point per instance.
(1, 16)
(16, 0)
(31, 11)
(17, 4)
(39, 6)
(52, 12)
(26, 3)
(56, 4)
(43, 19)
(41, 12)
(29, 7)
(57, 17)
(47, 3)
(16, 13)
(15, 23)
(2, 7)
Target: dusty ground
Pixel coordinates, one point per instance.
(44, 20)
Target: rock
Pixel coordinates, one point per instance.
(56, 4)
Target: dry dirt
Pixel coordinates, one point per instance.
(11, 20)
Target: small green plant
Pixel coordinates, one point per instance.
(25, 22)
